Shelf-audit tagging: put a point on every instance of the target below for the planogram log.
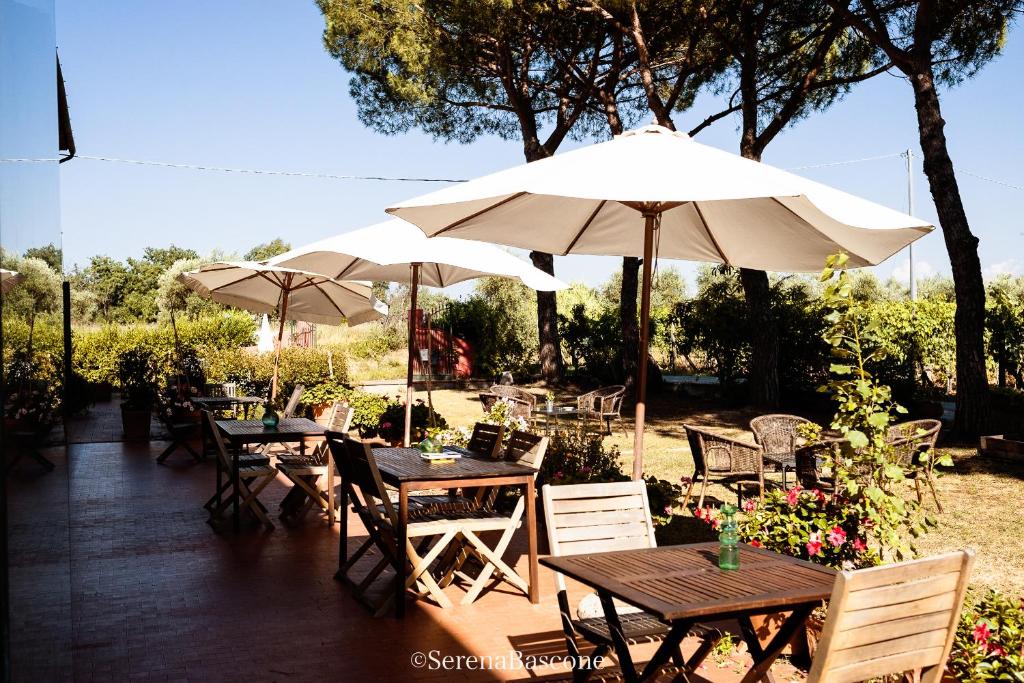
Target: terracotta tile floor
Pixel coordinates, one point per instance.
(116, 576)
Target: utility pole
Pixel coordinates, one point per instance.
(910, 210)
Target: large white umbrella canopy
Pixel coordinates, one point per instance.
(396, 251)
(293, 294)
(8, 278)
(698, 203)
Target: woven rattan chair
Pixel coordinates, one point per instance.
(594, 518)
(728, 460)
(777, 434)
(911, 443)
(522, 401)
(603, 405)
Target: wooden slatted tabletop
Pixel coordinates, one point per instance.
(253, 431)
(684, 582)
(405, 465)
(216, 401)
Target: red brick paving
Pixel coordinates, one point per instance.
(116, 576)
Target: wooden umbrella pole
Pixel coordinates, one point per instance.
(412, 353)
(645, 320)
(285, 291)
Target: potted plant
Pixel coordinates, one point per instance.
(549, 401)
(136, 370)
(320, 397)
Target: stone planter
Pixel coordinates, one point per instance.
(136, 423)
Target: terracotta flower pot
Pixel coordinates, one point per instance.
(136, 423)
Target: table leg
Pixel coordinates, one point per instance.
(669, 649)
(400, 556)
(330, 490)
(764, 657)
(531, 531)
(235, 516)
(343, 522)
(618, 639)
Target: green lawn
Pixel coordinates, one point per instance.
(982, 499)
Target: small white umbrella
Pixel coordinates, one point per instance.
(8, 278)
(697, 202)
(265, 337)
(396, 251)
(294, 294)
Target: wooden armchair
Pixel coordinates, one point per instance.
(724, 458)
(604, 405)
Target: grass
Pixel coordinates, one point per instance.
(981, 498)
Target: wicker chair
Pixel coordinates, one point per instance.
(910, 441)
(777, 435)
(726, 459)
(604, 405)
(808, 466)
(523, 402)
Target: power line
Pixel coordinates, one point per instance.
(850, 161)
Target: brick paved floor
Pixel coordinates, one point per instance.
(116, 576)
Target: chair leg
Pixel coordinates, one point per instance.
(689, 490)
(421, 568)
(917, 489)
(494, 561)
(935, 495)
(703, 488)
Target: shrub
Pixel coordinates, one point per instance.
(499, 414)
(576, 456)
(391, 425)
(989, 643)
(137, 375)
(253, 372)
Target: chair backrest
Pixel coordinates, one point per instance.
(893, 619)
(526, 449)
(358, 469)
(214, 390)
(293, 401)
(696, 448)
(908, 439)
(508, 391)
(593, 518)
(486, 439)
(218, 441)
(341, 418)
(777, 433)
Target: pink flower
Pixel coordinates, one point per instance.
(997, 651)
(668, 509)
(819, 495)
(814, 543)
(754, 542)
(385, 425)
(714, 524)
(793, 496)
(981, 633)
(749, 505)
(859, 545)
(837, 536)
(686, 481)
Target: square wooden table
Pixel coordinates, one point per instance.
(241, 433)
(404, 469)
(683, 585)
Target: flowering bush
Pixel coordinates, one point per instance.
(392, 421)
(579, 457)
(805, 524)
(662, 497)
(989, 644)
(499, 414)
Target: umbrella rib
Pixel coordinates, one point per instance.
(465, 219)
(586, 225)
(332, 302)
(350, 266)
(219, 288)
(440, 278)
(815, 229)
(707, 229)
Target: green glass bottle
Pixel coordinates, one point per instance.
(428, 445)
(270, 418)
(728, 548)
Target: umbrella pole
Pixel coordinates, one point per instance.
(412, 352)
(280, 337)
(645, 319)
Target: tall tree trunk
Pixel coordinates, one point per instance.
(630, 325)
(764, 357)
(972, 395)
(550, 352)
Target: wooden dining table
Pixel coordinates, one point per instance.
(682, 585)
(404, 469)
(242, 433)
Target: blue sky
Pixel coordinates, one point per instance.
(248, 85)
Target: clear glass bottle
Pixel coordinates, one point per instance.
(728, 539)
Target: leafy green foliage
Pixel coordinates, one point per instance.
(391, 425)
(989, 644)
(862, 462)
(576, 456)
(137, 373)
(267, 250)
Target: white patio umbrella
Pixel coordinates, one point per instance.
(265, 337)
(8, 278)
(396, 251)
(697, 202)
(294, 294)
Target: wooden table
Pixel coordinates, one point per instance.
(226, 402)
(241, 433)
(404, 469)
(682, 585)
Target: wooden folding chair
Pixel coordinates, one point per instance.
(363, 488)
(179, 433)
(896, 619)
(485, 442)
(306, 471)
(252, 479)
(594, 518)
(526, 449)
(289, 411)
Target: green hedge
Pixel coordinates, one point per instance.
(253, 372)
